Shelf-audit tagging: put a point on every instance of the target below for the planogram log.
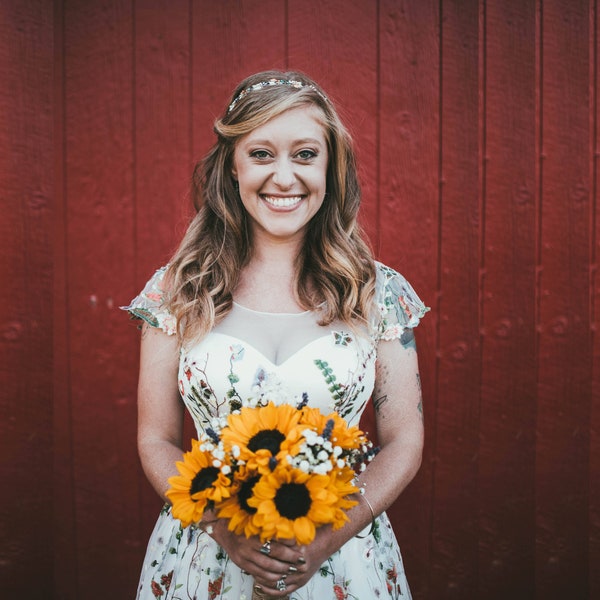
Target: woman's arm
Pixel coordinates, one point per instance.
(397, 400)
(160, 409)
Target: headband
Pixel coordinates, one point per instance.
(272, 83)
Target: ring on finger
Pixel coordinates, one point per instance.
(266, 548)
(280, 585)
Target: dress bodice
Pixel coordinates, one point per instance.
(333, 366)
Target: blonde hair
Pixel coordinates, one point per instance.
(335, 267)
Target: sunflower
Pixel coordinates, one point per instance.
(341, 484)
(236, 508)
(348, 438)
(263, 433)
(199, 482)
(291, 504)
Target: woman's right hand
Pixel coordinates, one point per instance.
(285, 560)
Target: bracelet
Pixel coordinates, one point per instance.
(362, 493)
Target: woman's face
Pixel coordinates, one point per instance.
(281, 168)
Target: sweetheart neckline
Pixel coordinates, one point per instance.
(249, 345)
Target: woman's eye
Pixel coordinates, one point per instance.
(260, 154)
(306, 154)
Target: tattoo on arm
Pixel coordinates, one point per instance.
(379, 402)
(407, 339)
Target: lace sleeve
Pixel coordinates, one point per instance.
(398, 306)
(149, 305)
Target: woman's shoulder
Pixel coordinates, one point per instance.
(398, 305)
(149, 304)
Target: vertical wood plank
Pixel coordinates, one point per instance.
(65, 567)
(162, 129)
(163, 165)
(455, 509)
(99, 210)
(564, 389)
(594, 512)
(26, 168)
(408, 222)
(508, 391)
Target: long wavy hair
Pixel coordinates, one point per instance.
(334, 270)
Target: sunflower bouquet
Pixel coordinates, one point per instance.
(273, 470)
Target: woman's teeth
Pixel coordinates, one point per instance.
(282, 202)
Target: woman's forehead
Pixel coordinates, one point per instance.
(302, 123)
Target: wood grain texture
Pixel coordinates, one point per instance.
(26, 168)
(564, 383)
(98, 42)
(594, 468)
(455, 446)
(508, 302)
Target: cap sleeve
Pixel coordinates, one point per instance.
(149, 305)
(398, 305)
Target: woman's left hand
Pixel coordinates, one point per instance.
(312, 557)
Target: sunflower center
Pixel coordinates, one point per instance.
(292, 500)
(245, 493)
(266, 439)
(204, 479)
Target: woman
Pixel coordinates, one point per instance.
(274, 285)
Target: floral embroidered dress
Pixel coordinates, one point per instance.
(250, 353)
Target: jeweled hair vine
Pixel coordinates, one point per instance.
(255, 87)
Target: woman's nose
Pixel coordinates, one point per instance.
(284, 175)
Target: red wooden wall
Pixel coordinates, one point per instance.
(476, 124)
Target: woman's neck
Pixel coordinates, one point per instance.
(268, 281)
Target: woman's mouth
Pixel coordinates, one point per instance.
(282, 202)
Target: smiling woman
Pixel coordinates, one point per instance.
(273, 293)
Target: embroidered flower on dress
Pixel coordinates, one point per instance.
(392, 333)
(166, 580)
(156, 590)
(214, 587)
(169, 324)
(341, 338)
